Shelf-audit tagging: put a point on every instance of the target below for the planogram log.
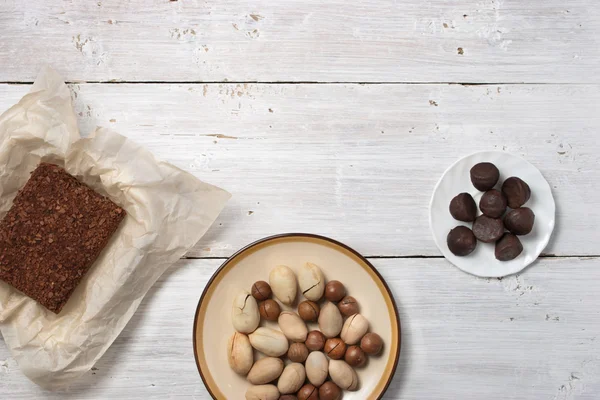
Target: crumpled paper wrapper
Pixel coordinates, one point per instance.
(168, 211)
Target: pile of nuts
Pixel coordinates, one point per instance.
(329, 352)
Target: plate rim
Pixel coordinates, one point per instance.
(301, 235)
(440, 181)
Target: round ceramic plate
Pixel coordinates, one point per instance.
(457, 179)
(212, 325)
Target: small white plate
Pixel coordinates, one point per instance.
(457, 179)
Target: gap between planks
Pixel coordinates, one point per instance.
(120, 82)
(582, 257)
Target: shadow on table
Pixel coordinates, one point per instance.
(553, 238)
(398, 382)
(113, 356)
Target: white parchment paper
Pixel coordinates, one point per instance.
(168, 211)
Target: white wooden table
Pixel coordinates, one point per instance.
(337, 117)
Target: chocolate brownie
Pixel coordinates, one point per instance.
(53, 233)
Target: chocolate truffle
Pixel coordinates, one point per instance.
(461, 241)
(493, 203)
(517, 192)
(463, 208)
(484, 176)
(519, 221)
(508, 248)
(488, 229)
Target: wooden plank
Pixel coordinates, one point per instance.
(303, 40)
(354, 162)
(533, 336)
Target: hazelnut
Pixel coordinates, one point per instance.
(348, 306)
(288, 397)
(315, 341)
(335, 348)
(308, 310)
(371, 343)
(355, 357)
(261, 290)
(297, 352)
(329, 391)
(269, 309)
(335, 291)
(308, 392)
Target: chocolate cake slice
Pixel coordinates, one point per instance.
(53, 233)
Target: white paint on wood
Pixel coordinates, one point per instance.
(357, 163)
(532, 336)
(303, 40)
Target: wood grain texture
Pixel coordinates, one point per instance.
(354, 162)
(531, 336)
(303, 40)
